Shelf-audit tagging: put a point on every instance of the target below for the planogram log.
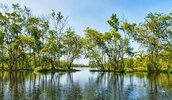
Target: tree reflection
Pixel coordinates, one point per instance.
(64, 86)
(2, 86)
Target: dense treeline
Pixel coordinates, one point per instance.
(112, 50)
(28, 41)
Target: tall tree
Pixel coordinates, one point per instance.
(73, 44)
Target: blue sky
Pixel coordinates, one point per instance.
(95, 13)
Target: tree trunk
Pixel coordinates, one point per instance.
(35, 64)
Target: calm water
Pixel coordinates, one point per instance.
(84, 85)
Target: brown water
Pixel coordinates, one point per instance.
(84, 85)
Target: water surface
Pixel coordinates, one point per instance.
(84, 85)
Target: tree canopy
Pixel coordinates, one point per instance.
(28, 41)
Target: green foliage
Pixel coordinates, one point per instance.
(112, 49)
(72, 46)
(170, 71)
(27, 41)
(107, 50)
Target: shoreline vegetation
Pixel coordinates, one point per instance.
(47, 44)
(41, 70)
(132, 71)
(91, 70)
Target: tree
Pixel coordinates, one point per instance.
(26, 37)
(2, 60)
(154, 34)
(73, 46)
(93, 45)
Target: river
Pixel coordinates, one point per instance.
(84, 85)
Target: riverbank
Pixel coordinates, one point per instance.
(132, 71)
(40, 70)
(74, 69)
(57, 70)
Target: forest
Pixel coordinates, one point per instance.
(46, 42)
